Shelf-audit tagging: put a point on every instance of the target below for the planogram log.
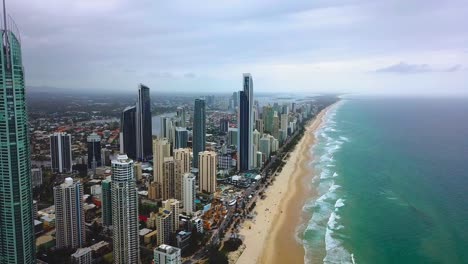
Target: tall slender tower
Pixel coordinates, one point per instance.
(70, 218)
(199, 130)
(143, 123)
(16, 205)
(245, 125)
(124, 211)
(128, 132)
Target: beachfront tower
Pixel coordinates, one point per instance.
(60, 152)
(124, 211)
(245, 147)
(17, 242)
(143, 123)
(199, 130)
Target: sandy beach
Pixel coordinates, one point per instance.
(271, 236)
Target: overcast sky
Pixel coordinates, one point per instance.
(394, 46)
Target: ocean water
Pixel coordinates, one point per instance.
(392, 176)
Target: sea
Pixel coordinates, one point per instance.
(392, 181)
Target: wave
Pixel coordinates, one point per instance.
(323, 229)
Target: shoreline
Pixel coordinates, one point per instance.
(271, 236)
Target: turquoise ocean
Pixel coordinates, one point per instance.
(392, 177)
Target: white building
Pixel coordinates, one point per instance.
(165, 254)
(82, 256)
(173, 205)
(69, 214)
(188, 192)
(124, 211)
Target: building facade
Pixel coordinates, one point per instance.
(94, 152)
(60, 152)
(17, 242)
(106, 202)
(188, 191)
(124, 211)
(199, 130)
(208, 168)
(128, 132)
(69, 215)
(165, 254)
(143, 123)
(245, 124)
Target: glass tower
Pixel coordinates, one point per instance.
(143, 124)
(17, 243)
(199, 130)
(245, 125)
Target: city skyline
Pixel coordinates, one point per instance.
(369, 45)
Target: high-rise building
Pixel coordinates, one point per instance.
(284, 121)
(265, 146)
(235, 98)
(164, 226)
(143, 123)
(36, 177)
(267, 116)
(105, 157)
(124, 211)
(106, 202)
(276, 125)
(208, 168)
(60, 152)
(173, 206)
(259, 125)
(245, 125)
(166, 127)
(181, 137)
(172, 179)
(128, 133)
(94, 152)
(188, 191)
(17, 242)
(69, 215)
(165, 254)
(232, 136)
(223, 125)
(199, 130)
(161, 150)
(181, 116)
(183, 154)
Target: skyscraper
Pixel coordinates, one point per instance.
(188, 193)
(172, 179)
(173, 206)
(164, 225)
(128, 132)
(143, 123)
(124, 211)
(106, 202)
(60, 152)
(94, 152)
(183, 155)
(17, 243)
(181, 137)
(245, 125)
(233, 136)
(181, 116)
(208, 168)
(199, 130)
(161, 150)
(69, 214)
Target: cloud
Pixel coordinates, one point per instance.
(406, 68)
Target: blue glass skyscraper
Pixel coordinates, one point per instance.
(199, 130)
(245, 146)
(17, 243)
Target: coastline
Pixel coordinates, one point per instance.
(271, 236)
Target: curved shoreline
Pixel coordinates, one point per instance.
(271, 237)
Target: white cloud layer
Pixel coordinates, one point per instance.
(302, 45)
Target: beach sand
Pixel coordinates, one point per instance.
(271, 236)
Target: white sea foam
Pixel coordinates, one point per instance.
(339, 203)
